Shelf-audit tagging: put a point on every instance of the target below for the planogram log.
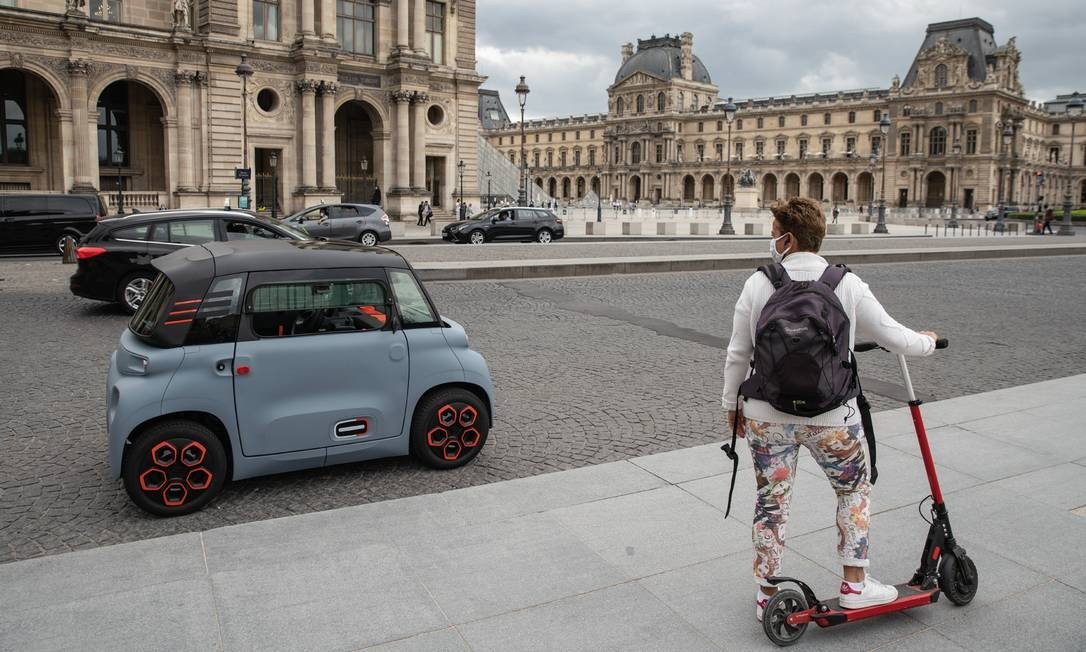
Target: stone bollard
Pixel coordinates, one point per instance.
(595, 228)
(398, 229)
(631, 228)
(753, 229)
(699, 228)
(68, 255)
(861, 228)
(666, 228)
(835, 229)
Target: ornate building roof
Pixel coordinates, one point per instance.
(661, 57)
(974, 35)
(492, 113)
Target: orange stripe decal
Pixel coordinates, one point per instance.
(183, 312)
(176, 321)
(185, 303)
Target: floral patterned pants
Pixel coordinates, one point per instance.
(840, 453)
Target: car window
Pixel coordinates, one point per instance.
(527, 215)
(414, 308)
(312, 215)
(366, 211)
(287, 309)
(347, 211)
(191, 232)
(240, 230)
(15, 206)
(154, 306)
(132, 233)
(505, 215)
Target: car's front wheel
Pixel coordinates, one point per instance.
(133, 289)
(449, 428)
(368, 238)
(174, 468)
(477, 237)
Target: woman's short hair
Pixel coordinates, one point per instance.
(803, 218)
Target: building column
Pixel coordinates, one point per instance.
(418, 26)
(328, 136)
(84, 181)
(328, 19)
(306, 7)
(308, 88)
(67, 148)
(401, 145)
(403, 24)
(183, 80)
(418, 139)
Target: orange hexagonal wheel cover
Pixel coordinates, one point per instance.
(164, 454)
(468, 416)
(153, 479)
(199, 479)
(437, 437)
(193, 454)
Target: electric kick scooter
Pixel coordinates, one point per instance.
(944, 566)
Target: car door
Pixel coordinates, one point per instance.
(23, 222)
(318, 361)
(527, 223)
(316, 221)
(346, 222)
(504, 227)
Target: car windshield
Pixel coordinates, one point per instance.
(294, 231)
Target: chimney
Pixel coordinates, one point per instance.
(687, 59)
(627, 51)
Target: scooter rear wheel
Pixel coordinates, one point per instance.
(954, 579)
(775, 617)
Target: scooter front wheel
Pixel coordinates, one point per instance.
(775, 617)
(954, 578)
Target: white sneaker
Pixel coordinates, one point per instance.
(873, 593)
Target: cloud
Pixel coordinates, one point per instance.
(569, 49)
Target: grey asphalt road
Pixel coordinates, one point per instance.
(587, 370)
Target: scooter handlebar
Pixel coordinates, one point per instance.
(862, 347)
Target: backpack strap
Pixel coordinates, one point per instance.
(833, 275)
(776, 273)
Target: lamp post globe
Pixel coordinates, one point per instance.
(884, 128)
(522, 97)
(1074, 111)
(245, 71)
(726, 227)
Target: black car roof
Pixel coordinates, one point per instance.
(268, 255)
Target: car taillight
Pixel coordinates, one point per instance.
(558, 220)
(384, 218)
(83, 253)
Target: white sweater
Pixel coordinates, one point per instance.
(866, 317)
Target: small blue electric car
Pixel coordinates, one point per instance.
(255, 357)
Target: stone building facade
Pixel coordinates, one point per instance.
(664, 138)
(346, 96)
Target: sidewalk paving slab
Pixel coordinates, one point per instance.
(627, 555)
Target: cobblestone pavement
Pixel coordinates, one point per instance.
(580, 249)
(587, 370)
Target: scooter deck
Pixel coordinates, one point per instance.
(908, 597)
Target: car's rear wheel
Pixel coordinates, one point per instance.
(477, 237)
(544, 236)
(368, 238)
(174, 468)
(449, 428)
(132, 290)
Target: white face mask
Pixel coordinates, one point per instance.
(778, 256)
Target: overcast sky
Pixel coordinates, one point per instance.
(569, 50)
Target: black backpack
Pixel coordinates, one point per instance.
(802, 362)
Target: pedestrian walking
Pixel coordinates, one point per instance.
(833, 437)
(836, 212)
(376, 198)
(422, 213)
(1048, 219)
(427, 214)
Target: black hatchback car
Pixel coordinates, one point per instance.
(43, 222)
(507, 223)
(115, 257)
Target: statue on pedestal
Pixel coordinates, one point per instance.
(181, 14)
(746, 180)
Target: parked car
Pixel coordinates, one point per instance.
(365, 223)
(508, 223)
(43, 222)
(253, 358)
(114, 259)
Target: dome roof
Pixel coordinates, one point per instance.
(661, 57)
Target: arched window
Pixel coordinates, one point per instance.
(618, 106)
(661, 101)
(940, 76)
(640, 104)
(937, 142)
(694, 102)
(635, 153)
(13, 119)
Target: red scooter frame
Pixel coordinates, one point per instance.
(944, 566)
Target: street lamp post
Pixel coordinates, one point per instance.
(273, 163)
(245, 71)
(599, 190)
(488, 189)
(522, 97)
(1074, 110)
(884, 127)
(726, 227)
(871, 163)
(463, 207)
(118, 160)
(956, 149)
(1008, 135)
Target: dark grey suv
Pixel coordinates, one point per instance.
(365, 223)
